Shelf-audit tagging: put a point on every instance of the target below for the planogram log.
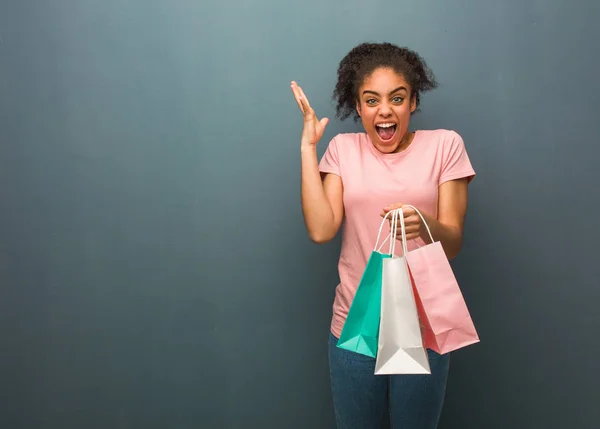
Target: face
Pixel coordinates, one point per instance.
(384, 105)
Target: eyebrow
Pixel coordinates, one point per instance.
(375, 93)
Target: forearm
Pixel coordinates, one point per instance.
(450, 237)
(316, 208)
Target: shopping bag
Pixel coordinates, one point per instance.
(400, 344)
(443, 312)
(361, 328)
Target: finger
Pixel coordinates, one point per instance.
(412, 232)
(298, 100)
(408, 212)
(412, 227)
(385, 213)
(304, 98)
(297, 96)
(309, 113)
(412, 220)
(411, 236)
(391, 207)
(409, 231)
(399, 237)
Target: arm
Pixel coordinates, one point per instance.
(449, 225)
(448, 228)
(322, 203)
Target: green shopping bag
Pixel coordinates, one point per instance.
(361, 330)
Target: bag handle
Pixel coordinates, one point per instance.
(393, 231)
(379, 233)
(404, 236)
(398, 214)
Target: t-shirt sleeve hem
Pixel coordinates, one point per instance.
(329, 170)
(469, 175)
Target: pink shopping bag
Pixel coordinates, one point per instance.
(447, 324)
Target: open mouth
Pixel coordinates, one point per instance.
(386, 132)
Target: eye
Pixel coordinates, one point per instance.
(371, 101)
(397, 99)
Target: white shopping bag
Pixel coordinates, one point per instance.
(400, 347)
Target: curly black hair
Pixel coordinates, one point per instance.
(363, 59)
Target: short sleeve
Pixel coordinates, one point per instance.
(455, 162)
(330, 162)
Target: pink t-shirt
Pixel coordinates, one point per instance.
(373, 180)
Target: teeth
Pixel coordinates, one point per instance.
(385, 125)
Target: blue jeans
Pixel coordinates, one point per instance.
(361, 398)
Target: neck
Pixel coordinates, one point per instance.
(405, 142)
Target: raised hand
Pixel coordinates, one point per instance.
(313, 127)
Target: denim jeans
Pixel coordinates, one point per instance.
(361, 398)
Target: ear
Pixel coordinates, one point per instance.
(358, 107)
(413, 102)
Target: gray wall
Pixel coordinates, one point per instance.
(154, 268)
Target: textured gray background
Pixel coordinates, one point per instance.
(154, 267)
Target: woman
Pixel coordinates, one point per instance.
(360, 178)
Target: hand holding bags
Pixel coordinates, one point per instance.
(400, 345)
(443, 311)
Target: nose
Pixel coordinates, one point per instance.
(385, 110)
